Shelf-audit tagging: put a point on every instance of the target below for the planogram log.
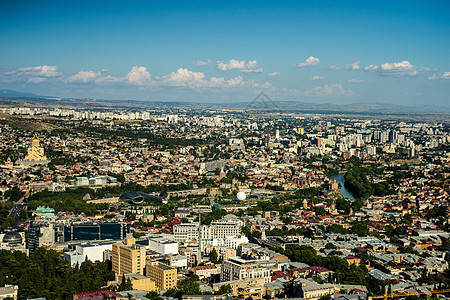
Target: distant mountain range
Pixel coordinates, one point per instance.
(16, 94)
(272, 106)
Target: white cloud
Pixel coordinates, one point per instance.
(184, 77)
(35, 74)
(355, 80)
(333, 67)
(316, 78)
(188, 78)
(36, 79)
(310, 61)
(138, 76)
(371, 68)
(84, 76)
(237, 81)
(445, 75)
(403, 68)
(353, 66)
(250, 66)
(201, 63)
(109, 79)
(42, 71)
(217, 81)
(334, 89)
(265, 85)
(276, 73)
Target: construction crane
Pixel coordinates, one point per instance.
(397, 295)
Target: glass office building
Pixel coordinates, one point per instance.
(96, 231)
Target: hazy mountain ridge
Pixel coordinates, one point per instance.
(11, 97)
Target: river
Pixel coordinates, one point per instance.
(340, 180)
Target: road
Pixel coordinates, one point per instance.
(15, 212)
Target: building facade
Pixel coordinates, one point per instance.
(165, 277)
(127, 257)
(237, 268)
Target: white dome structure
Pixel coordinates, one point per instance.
(241, 196)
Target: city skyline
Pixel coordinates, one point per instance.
(321, 52)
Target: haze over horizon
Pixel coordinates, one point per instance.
(203, 51)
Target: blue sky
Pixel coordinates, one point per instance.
(210, 51)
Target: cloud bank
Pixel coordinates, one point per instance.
(403, 68)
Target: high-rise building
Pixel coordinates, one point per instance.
(127, 257)
(164, 276)
(267, 137)
(384, 137)
(371, 150)
(393, 137)
(40, 233)
(412, 151)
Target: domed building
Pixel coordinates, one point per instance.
(216, 206)
(139, 197)
(35, 154)
(13, 240)
(241, 196)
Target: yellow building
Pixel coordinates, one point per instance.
(35, 154)
(164, 276)
(127, 257)
(139, 282)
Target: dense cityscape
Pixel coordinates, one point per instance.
(224, 150)
(206, 204)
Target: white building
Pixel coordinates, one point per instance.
(162, 246)
(229, 241)
(186, 232)
(226, 228)
(92, 252)
(178, 261)
(237, 268)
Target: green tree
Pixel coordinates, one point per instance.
(45, 274)
(13, 194)
(214, 256)
(360, 229)
(224, 289)
(189, 286)
(330, 246)
(125, 285)
(153, 296)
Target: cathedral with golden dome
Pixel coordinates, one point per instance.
(35, 155)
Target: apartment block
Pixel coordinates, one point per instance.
(127, 257)
(165, 277)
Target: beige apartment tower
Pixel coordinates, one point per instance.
(164, 276)
(127, 257)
